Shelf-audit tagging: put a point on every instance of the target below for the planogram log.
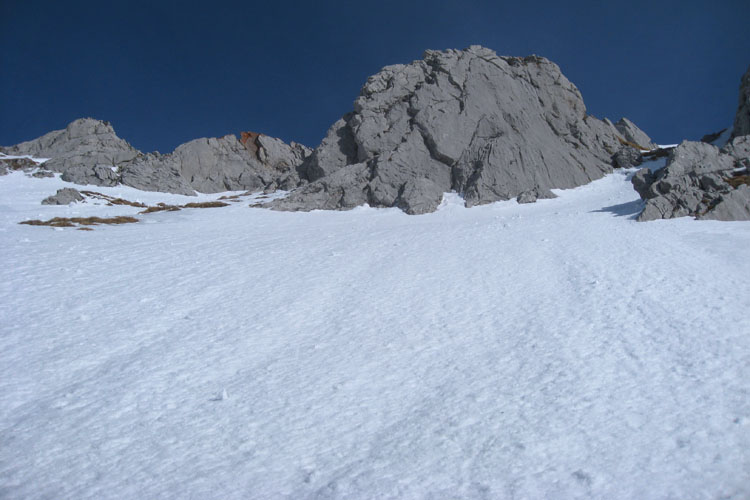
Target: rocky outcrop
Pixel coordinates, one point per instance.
(490, 128)
(84, 143)
(31, 167)
(699, 181)
(10, 164)
(634, 136)
(89, 152)
(742, 118)
(219, 164)
(627, 157)
(64, 196)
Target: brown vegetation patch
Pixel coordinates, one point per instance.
(83, 221)
(161, 207)
(206, 204)
(18, 163)
(631, 144)
(112, 200)
(739, 180)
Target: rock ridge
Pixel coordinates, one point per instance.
(88, 151)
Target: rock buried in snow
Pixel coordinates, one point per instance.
(488, 127)
(533, 195)
(64, 196)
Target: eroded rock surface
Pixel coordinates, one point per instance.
(488, 127)
(699, 181)
(89, 152)
(634, 135)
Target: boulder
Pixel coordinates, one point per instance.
(627, 157)
(64, 196)
(488, 127)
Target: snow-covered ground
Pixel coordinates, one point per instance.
(552, 350)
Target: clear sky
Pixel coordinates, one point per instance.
(165, 72)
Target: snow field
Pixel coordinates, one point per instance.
(552, 350)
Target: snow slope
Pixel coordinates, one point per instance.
(552, 350)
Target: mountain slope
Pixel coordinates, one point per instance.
(558, 349)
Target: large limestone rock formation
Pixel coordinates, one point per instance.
(490, 128)
(89, 152)
(701, 180)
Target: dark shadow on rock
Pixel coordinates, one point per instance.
(630, 209)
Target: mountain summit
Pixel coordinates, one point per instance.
(487, 127)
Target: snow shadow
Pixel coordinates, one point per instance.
(630, 209)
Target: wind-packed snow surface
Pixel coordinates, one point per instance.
(552, 350)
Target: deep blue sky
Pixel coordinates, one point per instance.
(167, 72)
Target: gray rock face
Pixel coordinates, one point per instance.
(700, 181)
(84, 143)
(89, 152)
(488, 127)
(742, 118)
(627, 157)
(631, 133)
(63, 196)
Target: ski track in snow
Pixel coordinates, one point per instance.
(552, 350)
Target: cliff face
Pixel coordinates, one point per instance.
(490, 128)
